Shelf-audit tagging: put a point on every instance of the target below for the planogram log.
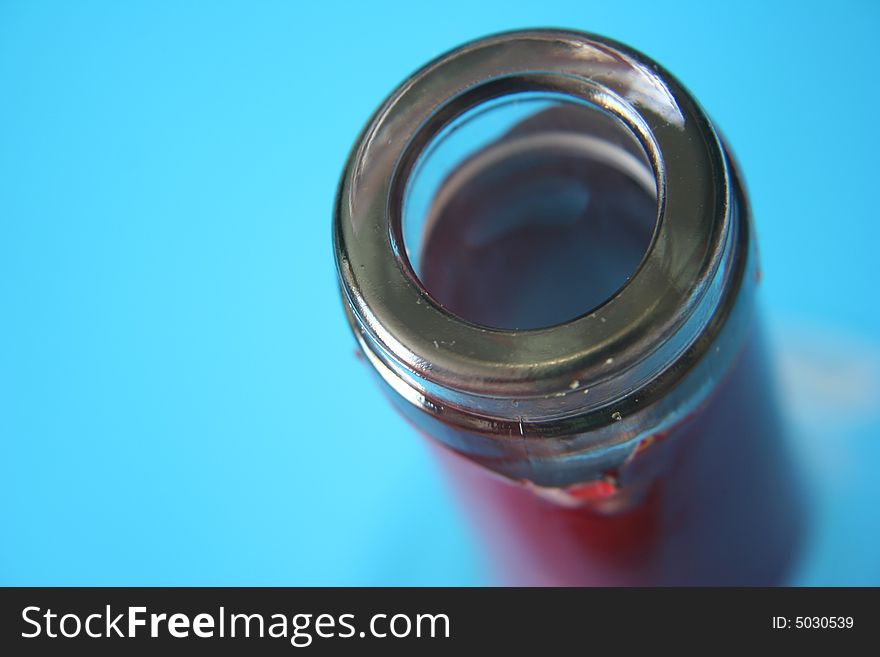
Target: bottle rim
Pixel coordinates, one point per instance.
(585, 372)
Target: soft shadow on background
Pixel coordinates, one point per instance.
(179, 397)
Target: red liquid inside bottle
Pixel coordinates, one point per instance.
(724, 509)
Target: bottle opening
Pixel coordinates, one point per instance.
(529, 211)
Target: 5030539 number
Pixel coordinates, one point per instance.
(813, 622)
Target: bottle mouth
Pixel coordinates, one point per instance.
(587, 365)
(529, 211)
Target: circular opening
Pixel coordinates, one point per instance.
(529, 211)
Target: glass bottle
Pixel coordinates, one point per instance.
(546, 255)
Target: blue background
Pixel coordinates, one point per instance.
(179, 399)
